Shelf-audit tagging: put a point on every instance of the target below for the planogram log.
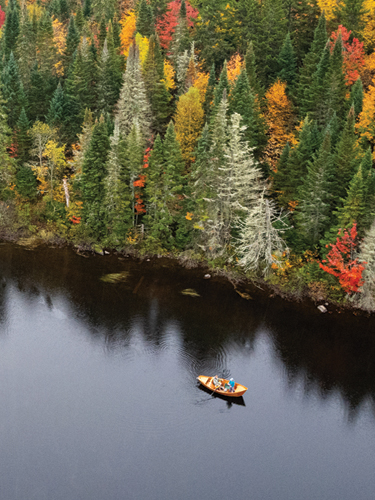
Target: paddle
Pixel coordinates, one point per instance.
(216, 388)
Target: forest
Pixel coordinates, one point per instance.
(236, 133)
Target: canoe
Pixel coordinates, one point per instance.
(239, 390)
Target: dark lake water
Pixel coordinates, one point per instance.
(99, 400)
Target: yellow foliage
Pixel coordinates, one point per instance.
(189, 216)
(279, 120)
(200, 83)
(59, 35)
(329, 7)
(366, 120)
(189, 122)
(368, 33)
(74, 210)
(169, 74)
(143, 43)
(35, 9)
(55, 154)
(41, 173)
(128, 22)
(234, 67)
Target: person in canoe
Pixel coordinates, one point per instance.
(216, 381)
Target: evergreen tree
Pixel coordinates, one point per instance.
(116, 32)
(26, 183)
(145, 22)
(352, 13)
(12, 28)
(310, 64)
(209, 96)
(92, 181)
(356, 96)
(13, 91)
(153, 67)
(251, 70)
(64, 10)
(46, 47)
(72, 42)
(337, 89)
(315, 99)
(22, 137)
(133, 105)
(26, 48)
(103, 9)
(281, 177)
(313, 212)
(366, 296)
(57, 112)
(181, 37)
(80, 18)
(87, 10)
(6, 163)
(36, 96)
(354, 205)
(243, 102)
(287, 64)
(346, 159)
(221, 86)
(102, 33)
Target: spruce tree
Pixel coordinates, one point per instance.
(102, 33)
(36, 95)
(87, 9)
(337, 89)
(92, 181)
(7, 169)
(22, 137)
(133, 105)
(57, 111)
(313, 211)
(80, 18)
(64, 11)
(46, 47)
(346, 159)
(310, 64)
(352, 13)
(244, 102)
(72, 42)
(287, 64)
(181, 37)
(12, 28)
(356, 96)
(13, 91)
(209, 96)
(26, 183)
(315, 99)
(366, 296)
(280, 177)
(145, 22)
(354, 205)
(26, 48)
(251, 70)
(222, 86)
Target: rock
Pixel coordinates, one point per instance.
(322, 309)
(147, 260)
(98, 249)
(106, 252)
(207, 276)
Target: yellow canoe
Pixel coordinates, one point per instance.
(239, 390)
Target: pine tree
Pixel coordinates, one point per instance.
(133, 105)
(26, 183)
(337, 90)
(22, 137)
(64, 10)
(251, 70)
(243, 101)
(315, 99)
(102, 33)
(103, 9)
(46, 47)
(313, 211)
(287, 64)
(145, 22)
(181, 37)
(92, 181)
(80, 18)
(153, 67)
(36, 95)
(58, 111)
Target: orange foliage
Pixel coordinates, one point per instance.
(340, 262)
(353, 52)
(366, 121)
(234, 66)
(128, 22)
(59, 35)
(139, 205)
(279, 120)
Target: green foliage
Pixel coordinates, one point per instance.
(145, 22)
(287, 64)
(22, 137)
(26, 183)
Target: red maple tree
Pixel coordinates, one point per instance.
(340, 262)
(166, 25)
(353, 52)
(2, 17)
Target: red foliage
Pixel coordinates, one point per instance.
(139, 206)
(13, 149)
(75, 220)
(2, 17)
(340, 261)
(354, 54)
(166, 25)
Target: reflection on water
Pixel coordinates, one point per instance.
(100, 344)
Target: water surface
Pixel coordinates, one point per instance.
(99, 400)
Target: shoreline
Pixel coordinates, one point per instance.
(243, 285)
